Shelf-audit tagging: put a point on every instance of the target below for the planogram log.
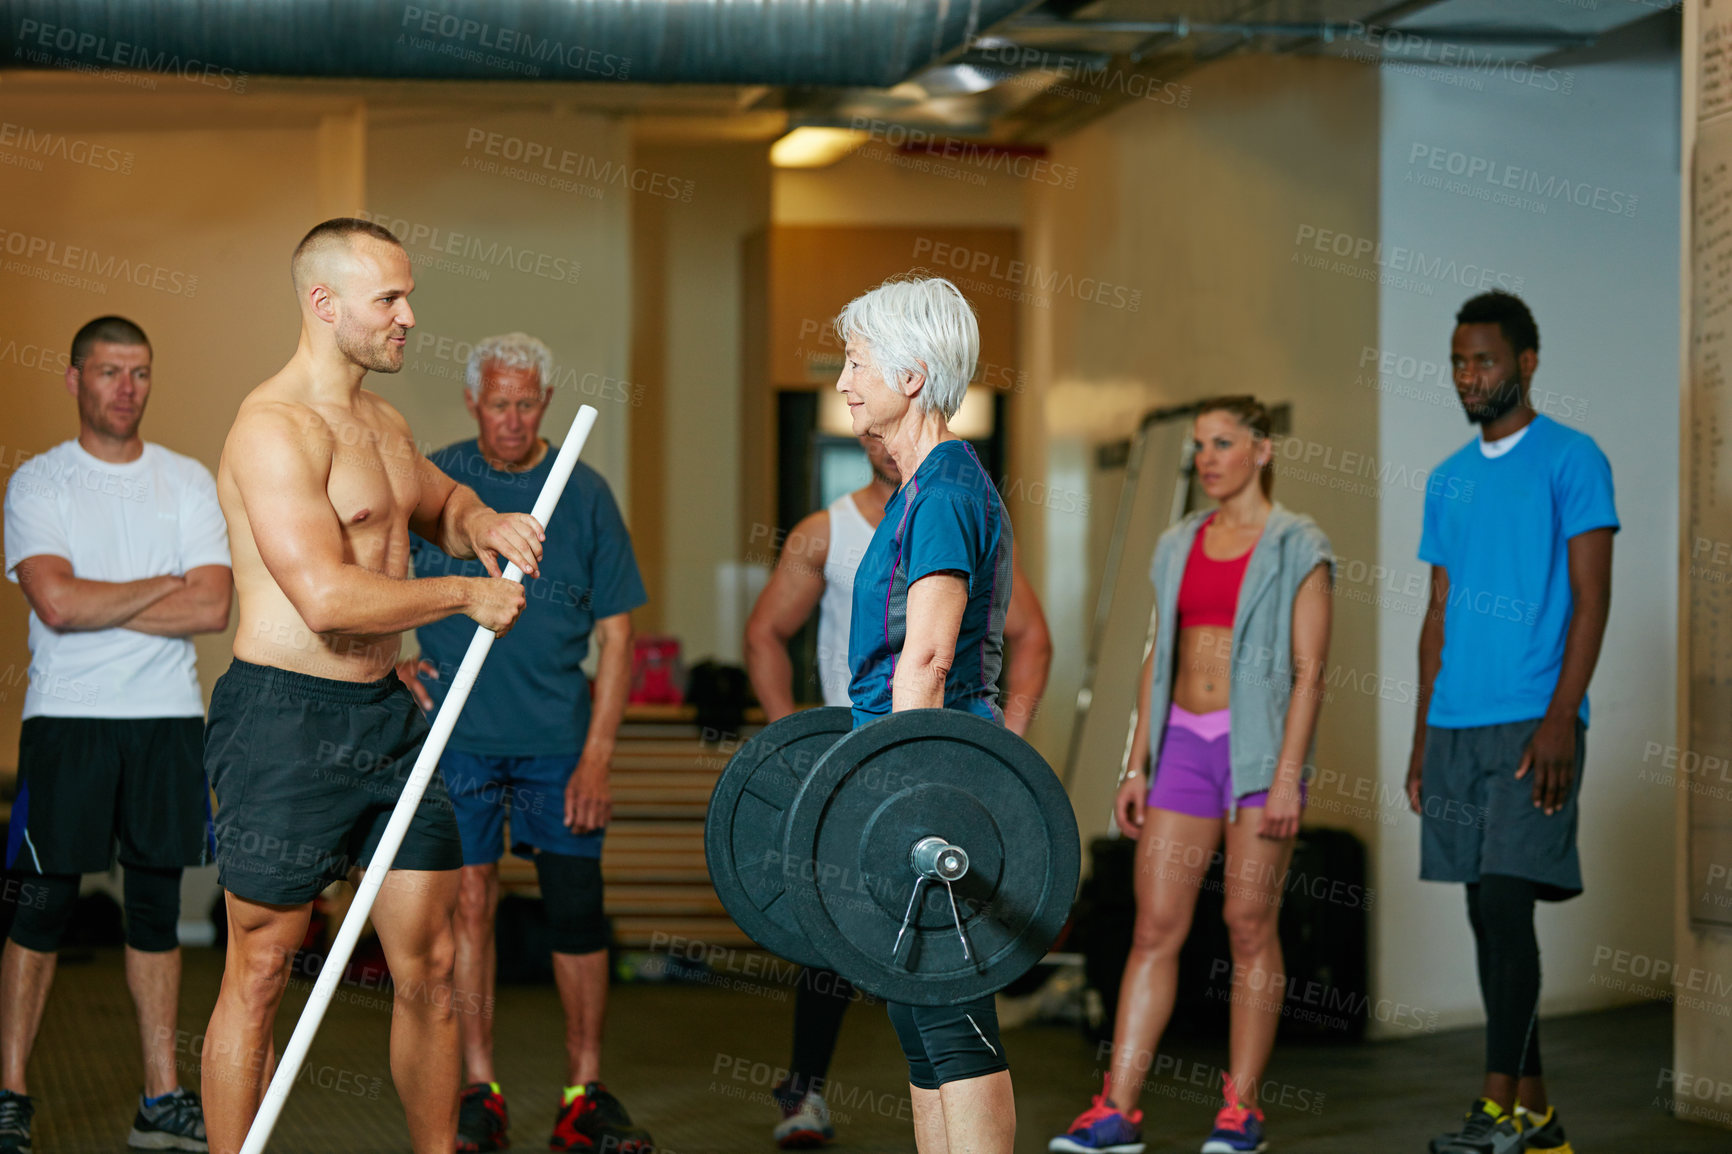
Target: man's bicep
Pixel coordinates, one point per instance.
(1023, 618)
(40, 576)
(1590, 556)
(796, 584)
(1439, 586)
(1431, 627)
(787, 602)
(613, 629)
(281, 478)
(433, 489)
(218, 580)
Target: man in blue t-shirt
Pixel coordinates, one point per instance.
(531, 742)
(1518, 532)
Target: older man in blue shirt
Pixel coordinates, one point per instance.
(531, 743)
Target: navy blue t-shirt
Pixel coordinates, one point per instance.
(532, 698)
(947, 517)
(1501, 527)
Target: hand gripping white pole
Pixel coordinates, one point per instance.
(443, 723)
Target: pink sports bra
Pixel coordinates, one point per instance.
(1209, 591)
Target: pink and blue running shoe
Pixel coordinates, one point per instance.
(1238, 1129)
(1101, 1129)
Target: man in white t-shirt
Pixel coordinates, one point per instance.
(121, 549)
(816, 571)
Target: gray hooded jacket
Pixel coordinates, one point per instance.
(1262, 670)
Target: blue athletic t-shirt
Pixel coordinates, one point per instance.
(532, 698)
(1501, 528)
(947, 516)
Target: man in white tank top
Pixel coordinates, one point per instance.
(816, 571)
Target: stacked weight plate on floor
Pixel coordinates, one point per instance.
(837, 852)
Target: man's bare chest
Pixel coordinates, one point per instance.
(373, 487)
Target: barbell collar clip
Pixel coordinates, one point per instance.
(936, 859)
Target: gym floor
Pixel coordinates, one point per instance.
(694, 1064)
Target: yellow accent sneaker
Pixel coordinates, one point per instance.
(1544, 1131)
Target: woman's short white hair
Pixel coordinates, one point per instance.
(913, 323)
(513, 351)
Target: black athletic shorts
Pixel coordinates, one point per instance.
(87, 784)
(306, 772)
(949, 1043)
(1478, 818)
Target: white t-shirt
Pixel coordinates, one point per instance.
(850, 534)
(1492, 450)
(150, 517)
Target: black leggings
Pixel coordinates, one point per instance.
(1501, 909)
(821, 997)
(45, 904)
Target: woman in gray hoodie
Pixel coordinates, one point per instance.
(1230, 694)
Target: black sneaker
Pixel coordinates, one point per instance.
(1544, 1131)
(1487, 1130)
(174, 1122)
(481, 1118)
(15, 1114)
(595, 1120)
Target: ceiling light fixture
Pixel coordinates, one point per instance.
(813, 147)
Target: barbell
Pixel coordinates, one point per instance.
(930, 857)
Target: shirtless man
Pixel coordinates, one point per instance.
(311, 734)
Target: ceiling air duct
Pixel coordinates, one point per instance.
(820, 43)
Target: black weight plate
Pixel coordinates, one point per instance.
(743, 826)
(932, 772)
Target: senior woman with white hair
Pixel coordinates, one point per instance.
(930, 597)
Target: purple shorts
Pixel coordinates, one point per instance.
(1194, 775)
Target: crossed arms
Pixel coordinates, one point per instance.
(167, 606)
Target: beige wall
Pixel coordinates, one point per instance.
(871, 187)
(1194, 211)
(494, 254)
(224, 207)
(693, 334)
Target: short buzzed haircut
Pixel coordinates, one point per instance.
(113, 330)
(1509, 313)
(339, 228)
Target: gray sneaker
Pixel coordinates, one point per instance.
(15, 1114)
(1487, 1130)
(174, 1121)
(805, 1125)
